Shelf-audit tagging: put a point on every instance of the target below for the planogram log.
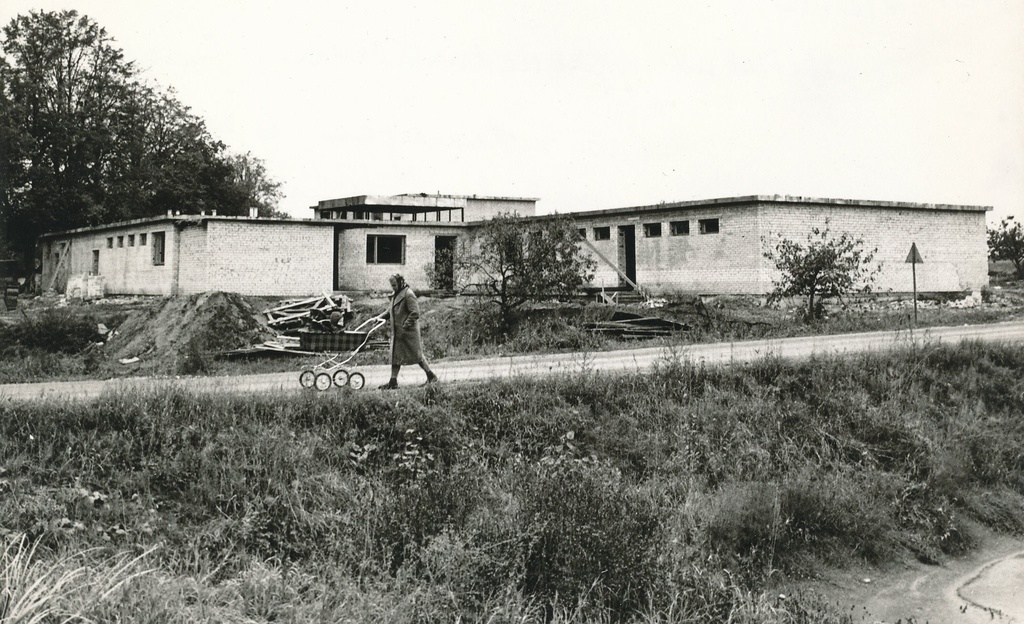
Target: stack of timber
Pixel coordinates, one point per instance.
(304, 312)
(308, 327)
(628, 325)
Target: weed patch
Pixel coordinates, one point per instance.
(687, 493)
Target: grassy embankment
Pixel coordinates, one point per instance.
(686, 495)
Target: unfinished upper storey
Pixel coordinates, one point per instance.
(422, 207)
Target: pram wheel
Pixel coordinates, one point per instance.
(356, 381)
(340, 377)
(306, 379)
(323, 381)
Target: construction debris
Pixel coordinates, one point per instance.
(85, 287)
(329, 312)
(307, 327)
(628, 325)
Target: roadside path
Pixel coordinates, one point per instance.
(983, 586)
(715, 354)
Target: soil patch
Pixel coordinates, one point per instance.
(180, 335)
(956, 591)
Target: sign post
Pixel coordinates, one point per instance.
(914, 257)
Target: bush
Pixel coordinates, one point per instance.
(591, 536)
(51, 331)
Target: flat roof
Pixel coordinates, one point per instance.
(176, 219)
(197, 219)
(778, 199)
(664, 206)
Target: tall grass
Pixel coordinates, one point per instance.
(68, 588)
(688, 494)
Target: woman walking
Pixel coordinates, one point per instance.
(406, 347)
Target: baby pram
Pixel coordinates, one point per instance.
(336, 345)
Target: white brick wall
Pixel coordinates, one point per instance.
(728, 261)
(354, 273)
(952, 242)
(482, 209)
(127, 268)
(274, 258)
(294, 258)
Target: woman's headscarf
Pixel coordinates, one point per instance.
(399, 281)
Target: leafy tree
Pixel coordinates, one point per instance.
(517, 260)
(61, 92)
(261, 192)
(825, 267)
(182, 166)
(1006, 242)
(84, 141)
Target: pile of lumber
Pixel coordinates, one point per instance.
(296, 314)
(627, 325)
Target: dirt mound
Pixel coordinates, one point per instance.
(180, 335)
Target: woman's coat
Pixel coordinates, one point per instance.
(406, 347)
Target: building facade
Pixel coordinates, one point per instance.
(719, 246)
(715, 246)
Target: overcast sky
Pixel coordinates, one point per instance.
(591, 104)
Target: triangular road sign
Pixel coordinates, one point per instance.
(914, 257)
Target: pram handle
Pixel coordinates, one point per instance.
(380, 320)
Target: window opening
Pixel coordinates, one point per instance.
(708, 226)
(652, 230)
(680, 228)
(603, 233)
(382, 249)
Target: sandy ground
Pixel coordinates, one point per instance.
(985, 586)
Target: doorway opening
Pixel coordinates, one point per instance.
(444, 262)
(627, 255)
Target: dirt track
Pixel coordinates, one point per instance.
(981, 587)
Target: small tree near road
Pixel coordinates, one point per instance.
(826, 267)
(516, 260)
(1006, 242)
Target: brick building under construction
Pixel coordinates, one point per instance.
(353, 244)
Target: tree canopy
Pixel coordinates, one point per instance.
(517, 260)
(825, 267)
(1006, 242)
(84, 140)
